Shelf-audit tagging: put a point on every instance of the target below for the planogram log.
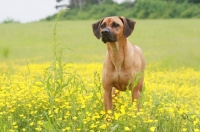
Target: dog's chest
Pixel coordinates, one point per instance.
(120, 79)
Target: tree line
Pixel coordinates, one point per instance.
(142, 9)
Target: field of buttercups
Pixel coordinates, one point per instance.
(41, 97)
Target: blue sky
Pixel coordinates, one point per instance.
(27, 10)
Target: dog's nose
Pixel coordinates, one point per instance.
(105, 31)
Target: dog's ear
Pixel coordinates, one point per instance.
(128, 26)
(96, 29)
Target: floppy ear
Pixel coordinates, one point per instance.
(96, 29)
(128, 26)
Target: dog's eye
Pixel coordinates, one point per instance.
(115, 24)
(103, 25)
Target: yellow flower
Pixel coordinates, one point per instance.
(180, 111)
(31, 124)
(117, 115)
(78, 129)
(38, 129)
(93, 125)
(102, 112)
(40, 123)
(9, 117)
(14, 123)
(74, 118)
(67, 128)
(127, 128)
(103, 126)
(109, 111)
(152, 129)
(196, 130)
(38, 83)
(184, 129)
(56, 110)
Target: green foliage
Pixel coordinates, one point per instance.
(9, 20)
(140, 9)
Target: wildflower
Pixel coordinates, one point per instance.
(56, 110)
(102, 112)
(38, 129)
(103, 126)
(78, 129)
(31, 124)
(184, 129)
(127, 129)
(193, 116)
(122, 110)
(9, 117)
(67, 128)
(74, 118)
(93, 125)
(83, 106)
(152, 129)
(117, 115)
(14, 123)
(180, 111)
(109, 111)
(38, 83)
(196, 130)
(150, 121)
(40, 123)
(195, 122)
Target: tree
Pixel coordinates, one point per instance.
(80, 3)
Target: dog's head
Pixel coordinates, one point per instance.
(110, 29)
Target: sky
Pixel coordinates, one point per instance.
(26, 11)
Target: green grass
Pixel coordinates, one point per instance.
(166, 43)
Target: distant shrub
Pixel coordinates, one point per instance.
(187, 13)
(142, 14)
(9, 20)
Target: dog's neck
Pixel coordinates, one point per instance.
(116, 51)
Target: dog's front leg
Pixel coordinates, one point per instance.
(108, 99)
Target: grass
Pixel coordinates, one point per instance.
(168, 43)
(40, 92)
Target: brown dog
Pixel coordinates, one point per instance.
(123, 60)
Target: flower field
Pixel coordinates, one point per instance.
(37, 97)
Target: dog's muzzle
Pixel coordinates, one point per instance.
(107, 35)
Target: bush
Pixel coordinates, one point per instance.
(187, 13)
(142, 14)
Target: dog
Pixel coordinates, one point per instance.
(123, 60)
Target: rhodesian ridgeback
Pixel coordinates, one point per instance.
(123, 60)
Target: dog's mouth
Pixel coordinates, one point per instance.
(108, 38)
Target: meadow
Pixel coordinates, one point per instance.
(50, 78)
